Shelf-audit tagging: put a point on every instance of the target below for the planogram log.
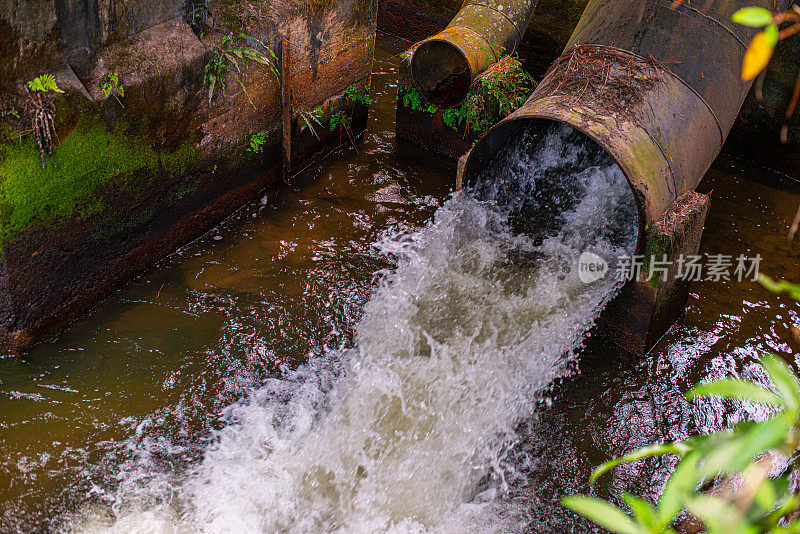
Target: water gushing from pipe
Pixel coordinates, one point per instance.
(408, 430)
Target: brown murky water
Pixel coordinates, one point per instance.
(130, 395)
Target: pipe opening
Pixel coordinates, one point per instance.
(548, 175)
(441, 72)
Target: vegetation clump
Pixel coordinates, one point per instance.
(500, 90)
(225, 60)
(353, 95)
(111, 86)
(257, 142)
(44, 113)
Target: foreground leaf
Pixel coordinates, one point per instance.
(677, 448)
(740, 449)
(756, 17)
(735, 389)
(680, 484)
(758, 54)
(779, 286)
(784, 380)
(602, 513)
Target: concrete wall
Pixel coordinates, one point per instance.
(139, 176)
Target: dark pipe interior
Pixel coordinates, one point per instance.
(541, 211)
(441, 72)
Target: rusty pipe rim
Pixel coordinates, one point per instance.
(482, 154)
(432, 63)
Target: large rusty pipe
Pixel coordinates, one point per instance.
(444, 66)
(657, 87)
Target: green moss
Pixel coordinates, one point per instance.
(657, 246)
(115, 224)
(257, 142)
(90, 158)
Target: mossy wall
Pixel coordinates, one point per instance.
(133, 176)
(91, 157)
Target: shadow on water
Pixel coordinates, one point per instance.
(287, 278)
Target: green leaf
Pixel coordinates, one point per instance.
(791, 528)
(740, 449)
(235, 63)
(602, 513)
(678, 448)
(756, 17)
(716, 513)
(772, 34)
(757, 56)
(735, 388)
(767, 495)
(784, 380)
(681, 483)
(44, 83)
(642, 510)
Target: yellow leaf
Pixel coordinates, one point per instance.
(758, 55)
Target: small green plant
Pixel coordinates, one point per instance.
(226, 59)
(762, 503)
(358, 95)
(111, 86)
(339, 118)
(44, 114)
(12, 112)
(257, 142)
(44, 84)
(308, 120)
(500, 90)
(412, 99)
(199, 18)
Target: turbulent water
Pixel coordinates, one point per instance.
(408, 428)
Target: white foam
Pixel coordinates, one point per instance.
(407, 431)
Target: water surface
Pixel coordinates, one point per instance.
(117, 416)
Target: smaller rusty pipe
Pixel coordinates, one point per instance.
(444, 66)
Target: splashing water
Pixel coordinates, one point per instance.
(408, 430)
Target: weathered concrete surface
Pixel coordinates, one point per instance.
(58, 267)
(29, 38)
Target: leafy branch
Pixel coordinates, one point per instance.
(231, 59)
(762, 46)
(760, 504)
(308, 120)
(111, 86)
